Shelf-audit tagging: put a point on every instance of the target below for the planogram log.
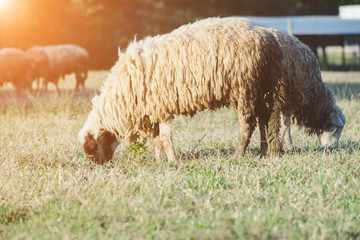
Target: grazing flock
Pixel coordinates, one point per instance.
(268, 77)
(49, 63)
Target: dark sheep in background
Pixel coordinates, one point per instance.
(41, 62)
(67, 59)
(15, 68)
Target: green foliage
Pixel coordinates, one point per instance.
(137, 149)
(101, 26)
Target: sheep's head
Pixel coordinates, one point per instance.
(335, 123)
(99, 147)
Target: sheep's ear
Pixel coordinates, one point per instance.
(104, 144)
(336, 120)
(90, 145)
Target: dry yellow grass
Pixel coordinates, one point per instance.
(49, 190)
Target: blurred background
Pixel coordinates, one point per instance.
(101, 26)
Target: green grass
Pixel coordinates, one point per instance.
(49, 190)
(336, 59)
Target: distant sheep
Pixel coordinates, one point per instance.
(205, 65)
(15, 68)
(67, 59)
(307, 101)
(41, 62)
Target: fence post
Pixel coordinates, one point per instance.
(290, 26)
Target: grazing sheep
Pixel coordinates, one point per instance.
(67, 59)
(307, 101)
(15, 68)
(41, 62)
(205, 65)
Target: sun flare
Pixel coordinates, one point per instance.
(3, 3)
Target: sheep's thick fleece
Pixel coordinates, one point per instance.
(209, 64)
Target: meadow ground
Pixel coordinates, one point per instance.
(49, 190)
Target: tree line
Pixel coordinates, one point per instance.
(101, 26)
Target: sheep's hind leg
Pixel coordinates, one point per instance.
(285, 132)
(273, 133)
(166, 142)
(45, 84)
(84, 77)
(56, 85)
(159, 155)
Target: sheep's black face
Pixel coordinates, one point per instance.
(101, 149)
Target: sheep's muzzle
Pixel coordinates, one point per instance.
(100, 150)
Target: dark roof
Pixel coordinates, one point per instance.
(311, 25)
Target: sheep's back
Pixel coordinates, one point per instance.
(197, 67)
(67, 58)
(40, 59)
(206, 65)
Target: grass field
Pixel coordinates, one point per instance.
(49, 190)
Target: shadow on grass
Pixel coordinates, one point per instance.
(252, 155)
(346, 146)
(216, 152)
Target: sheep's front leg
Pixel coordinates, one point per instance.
(247, 126)
(159, 155)
(285, 131)
(263, 140)
(80, 79)
(166, 142)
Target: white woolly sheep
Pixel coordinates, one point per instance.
(67, 59)
(15, 68)
(306, 100)
(209, 64)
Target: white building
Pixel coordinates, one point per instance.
(338, 34)
(349, 12)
